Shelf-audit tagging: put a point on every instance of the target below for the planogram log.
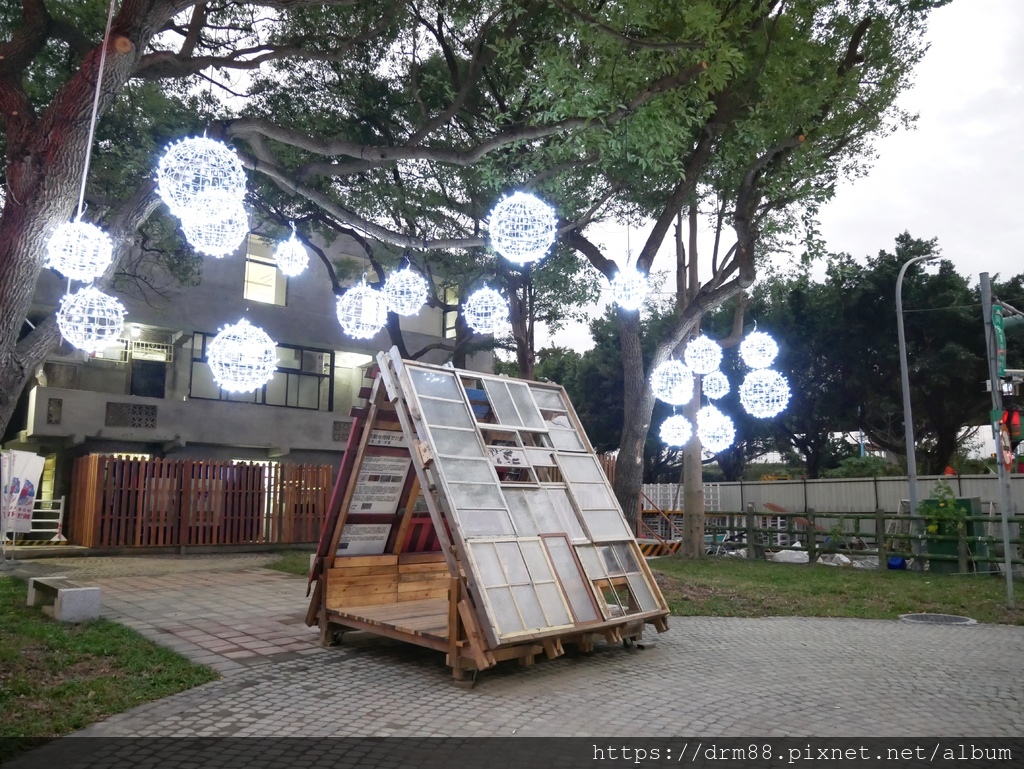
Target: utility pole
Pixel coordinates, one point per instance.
(996, 381)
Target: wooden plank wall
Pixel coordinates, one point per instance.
(120, 502)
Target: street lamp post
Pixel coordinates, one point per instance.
(908, 421)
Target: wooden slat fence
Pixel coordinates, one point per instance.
(120, 502)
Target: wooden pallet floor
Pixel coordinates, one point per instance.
(422, 622)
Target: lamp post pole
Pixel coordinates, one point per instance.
(908, 421)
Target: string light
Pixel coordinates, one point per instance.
(291, 256)
(405, 291)
(90, 320)
(715, 430)
(672, 382)
(194, 166)
(715, 385)
(758, 350)
(362, 311)
(242, 357)
(703, 355)
(629, 289)
(222, 234)
(79, 250)
(676, 431)
(486, 311)
(522, 227)
(764, 393)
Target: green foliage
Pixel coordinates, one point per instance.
(863, 467)
(942, 512)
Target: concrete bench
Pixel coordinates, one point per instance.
(67, 601)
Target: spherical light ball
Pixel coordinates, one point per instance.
(629, 289)
(715, 385)
(218, 225)
(703, 355)
(90, 320)
(196, 165)
(764, 393)
(715, 430)
(242, 357)
(79, 250)
(672, 382)
(291, 257)
(486, 311)
(676, 431)
(758, 350)
(522, 227)
(405, 291)
(362, 311)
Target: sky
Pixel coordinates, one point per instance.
(957, 176)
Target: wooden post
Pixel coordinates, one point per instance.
(812, 537)
(961, 553)
(883, 554)
(751, 533)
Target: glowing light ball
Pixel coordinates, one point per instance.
(405, 291)
(242, 357)
(676, 431)
(715, 385)
(196, 165)
(764, 393)
(362, 311)
(486, 311)
(79, 250)
(715, 430)
(703, 355)
(672, 382)
(522, 227)
(90, 320)
(218, 226)
(291, 257)
(629, 289)
(758, 350)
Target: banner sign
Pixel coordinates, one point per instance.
(379, 484)
(21, 473)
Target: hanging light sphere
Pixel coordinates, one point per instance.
(291, 257)
(703, 355)
(629, 289)
(676, 431)
(715, 385)
(715, 430)
(362, 311)
(218, 225)
(672, 382)
(242, 357)
(405, 291)
(522, 227)
(486, 311)
(90, 320)
(196, 165)
(764, 393)
(79, 250)
(758, 350)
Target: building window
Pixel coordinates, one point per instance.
(304, 378)
(263, 281)
(451, 297)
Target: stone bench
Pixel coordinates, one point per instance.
(67, 601)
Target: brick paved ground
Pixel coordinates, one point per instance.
(706, 676)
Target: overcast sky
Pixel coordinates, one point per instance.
(958, 176)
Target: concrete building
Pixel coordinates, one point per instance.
(153, 392)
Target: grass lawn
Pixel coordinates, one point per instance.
(293, 562)
(735, 587)
(57, 677)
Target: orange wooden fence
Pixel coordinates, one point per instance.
(120, 502)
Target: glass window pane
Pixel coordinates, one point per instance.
(506, 615)
(605, 525)
(565, 440)
(477, 495)
(529, 607)
(548, 520)
(436, 384)
(626, 557)
(501, 401)
(608, 560)
(591, 560)
(446, 413)
(540, 457)
(592, 496)
(581, 469)
(484, 523)
(576, 590)
(522, 516)
(533, 553)
(527, 410)
(488, 566)
(563, 507)
(512, 560)
(469, 470)
(642, 592)
(547, 399)
(554, 607)
(460, 443)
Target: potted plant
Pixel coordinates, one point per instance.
(945, 528)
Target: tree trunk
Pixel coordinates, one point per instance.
(637, 407)
(693, 485)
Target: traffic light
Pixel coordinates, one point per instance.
(1011, 419)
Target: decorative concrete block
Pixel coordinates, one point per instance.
(71, 602)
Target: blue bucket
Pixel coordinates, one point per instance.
(897, 563)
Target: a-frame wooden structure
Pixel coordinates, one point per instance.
(471, 516)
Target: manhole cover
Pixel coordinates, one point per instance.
(939, 619)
